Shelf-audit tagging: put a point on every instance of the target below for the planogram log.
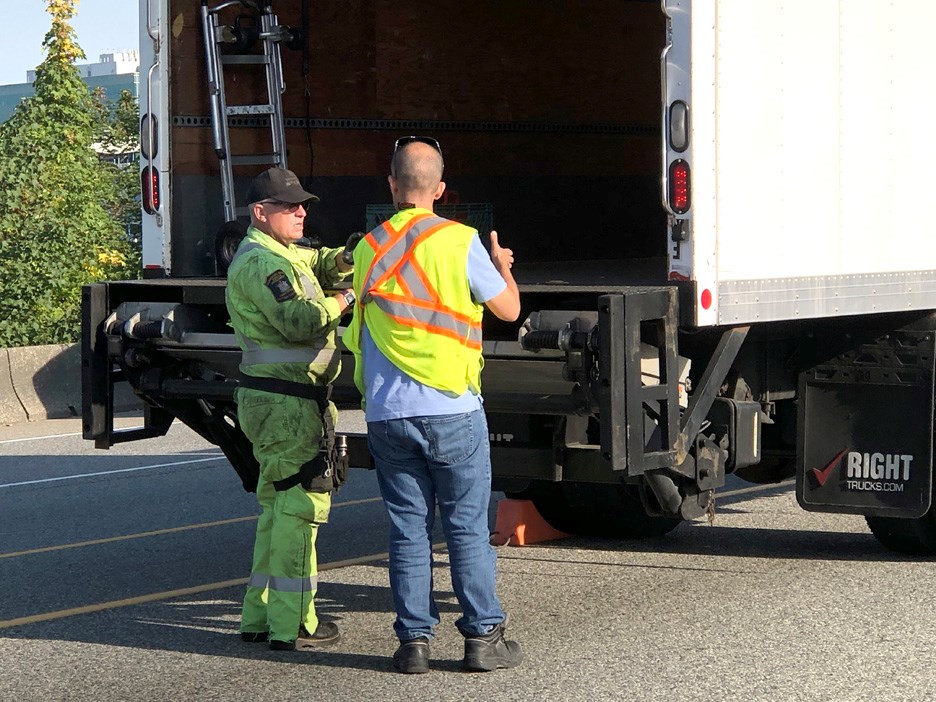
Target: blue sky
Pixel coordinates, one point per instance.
(102, 26)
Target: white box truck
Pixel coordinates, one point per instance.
(738, 187)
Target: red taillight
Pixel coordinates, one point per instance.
(679, 186)
(149, 189)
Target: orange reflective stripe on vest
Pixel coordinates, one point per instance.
(392, 247)
(419, 305)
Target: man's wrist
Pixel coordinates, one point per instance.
(349, 297)
(342, 264)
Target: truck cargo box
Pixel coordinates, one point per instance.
(807, 168)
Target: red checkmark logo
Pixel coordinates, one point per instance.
(821, 475)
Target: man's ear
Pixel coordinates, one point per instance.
(257, 211)
(439, 190)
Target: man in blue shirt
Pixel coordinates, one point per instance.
(423, 282)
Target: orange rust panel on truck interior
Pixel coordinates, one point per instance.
(487, 62)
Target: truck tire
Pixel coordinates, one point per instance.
(227, 239)
(771, 469)
(587, 509)
(914, 537)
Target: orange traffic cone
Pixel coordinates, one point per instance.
(519, 523)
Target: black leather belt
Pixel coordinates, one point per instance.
(319, 393)
(286, 483)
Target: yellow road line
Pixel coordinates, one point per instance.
(127, 537)
(113, 604)
(181, 592)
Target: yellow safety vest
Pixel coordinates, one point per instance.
(412, 287)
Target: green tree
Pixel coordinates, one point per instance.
(118, 142)
(57, 200)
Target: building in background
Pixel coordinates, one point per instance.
(114, 72)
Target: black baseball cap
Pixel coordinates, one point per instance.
(278, 184)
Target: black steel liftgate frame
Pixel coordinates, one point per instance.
(622, 399)
(630, 446)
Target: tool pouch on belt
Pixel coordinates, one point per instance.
(317, 475)
(329, 469)
(326, 472)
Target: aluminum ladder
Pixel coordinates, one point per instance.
(237, 61)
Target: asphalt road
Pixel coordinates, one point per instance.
(122, 573)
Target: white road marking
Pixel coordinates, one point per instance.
(53, 436)
(108, 472)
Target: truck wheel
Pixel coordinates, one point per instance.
(771, 469)
(915, 537)
(227, 239)
(588, 509)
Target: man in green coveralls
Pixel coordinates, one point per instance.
(285, 326)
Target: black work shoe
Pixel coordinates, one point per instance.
(326, 633)
(491, 651)
(254, 636)
(412, 656)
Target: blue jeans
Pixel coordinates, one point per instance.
(422, 461)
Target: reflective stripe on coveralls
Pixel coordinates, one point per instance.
(255, 355)
(258, 580)
(294, 584)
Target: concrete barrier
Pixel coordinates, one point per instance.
(44, 382)
(47, 380)
(11, 409)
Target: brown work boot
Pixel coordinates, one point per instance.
(325, 634)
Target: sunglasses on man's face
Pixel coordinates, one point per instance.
(403, 141)
(288, 207)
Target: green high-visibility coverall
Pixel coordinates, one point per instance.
(285, 326)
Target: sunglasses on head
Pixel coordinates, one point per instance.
(403, 141)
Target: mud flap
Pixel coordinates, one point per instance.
(865, 425)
